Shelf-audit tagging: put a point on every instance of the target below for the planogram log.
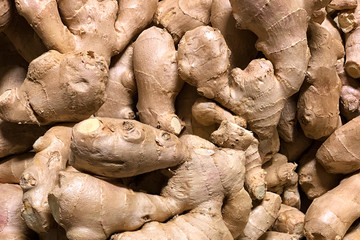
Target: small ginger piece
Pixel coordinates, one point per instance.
(290, 220)
(240, 42)
(320, 118)
(313, 178)
(281, 178)
(12, 226)
(331, 215)
(342, 4)
(12, 167)
(231, 135)
(157, 80)
(180, 16)
(52, 152)
(340, 152)
(262, 217)
(121, 88)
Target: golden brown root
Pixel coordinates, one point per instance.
(290, 220)
(40, 99)
(180, 16)
(330, 215)
(231, 135)
(313, 178)
(241, 42)
(271, 235)
(157, 81)
(16, 138)
(52, 152)
(79, 199)
(11, 168)
(350, 93)
(318, 104)
(262, 217)
(121, 88)
(340, 152)
(200, 223)
(98, 146)
(12, 226)
(287, 123)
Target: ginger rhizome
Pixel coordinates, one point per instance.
(198, 165)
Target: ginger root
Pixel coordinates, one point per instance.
(12, 167)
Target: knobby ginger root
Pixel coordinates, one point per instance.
(258, 93)
(290, 220)
(240, 42)
(121, 88)
(330, 215)
(313, 178)
(231, 135)
(58, 88)
(281, 178)
(12, 167)
(180, 16)
(200, 185)
(320, 118)
(262, 217)
(52, 152)
(157, 80)
(340, 152)
(12, 226)
(98, 147)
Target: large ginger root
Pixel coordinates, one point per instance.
(58, 88)
(98, 146)
(121, 88)
(199, 185)
(281, 178)
(320, 118)
(340, 152)
(313, 178)
(157, 80)
(262, 217)
(180, 16)
(12, 226)
(331, 215)
(12, 167)
(290, 220)
(258, 93)
(52, 152)
(240, 42)
(231, 135)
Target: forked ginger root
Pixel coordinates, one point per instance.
(52, 152)
(157, 81)
(210, 179)
(330, 215)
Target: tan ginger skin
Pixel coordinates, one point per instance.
(157, 81)
(340, 152)
(12, 226)
(313, 178)
(240, 42)
(113, 25)
(52, 153)
(286, 48)
(353, 233)
(220, 171)
(287, 123)
(331, 215)
(180, 16)
(12, 167)
(320, 118)
(289, 220)
(262, 217)
(231, 135)
(121, 83)
(272, 235)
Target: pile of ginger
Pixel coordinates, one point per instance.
(179, 119)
